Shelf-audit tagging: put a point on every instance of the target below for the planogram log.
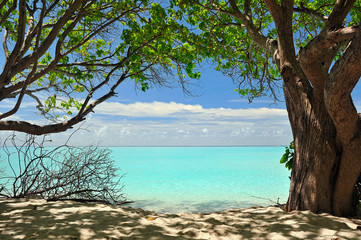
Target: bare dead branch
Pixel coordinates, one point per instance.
(85, 174)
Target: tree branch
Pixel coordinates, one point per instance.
(317, 56)
(54, 32)
(51, 7)
(40, 104)
(33, 31)
(59, 55)
(3, 3)
(31, 74)
(247, 7)
(339, 13)
(12, 70)
(87, 109)
(6, 15)
(274, 9)
(34, 129)
(21, 95)
(282, 15)
(5, 46)
(264, 42)
(5, 77)
(311, 12)
(295, 82)
(95, 32)
(343, 77)
(333, 31)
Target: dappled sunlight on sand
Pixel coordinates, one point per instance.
(38, 219)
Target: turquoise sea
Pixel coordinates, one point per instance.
(202, 179)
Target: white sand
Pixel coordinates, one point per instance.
(38, 219)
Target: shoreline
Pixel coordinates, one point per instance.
(39, 219)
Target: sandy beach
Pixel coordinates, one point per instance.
(38, 219)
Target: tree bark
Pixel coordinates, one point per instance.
(327, 154)
(315, 154)
(324, 121)
(325, 170)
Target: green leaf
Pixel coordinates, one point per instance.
(145, 86)
(289, 164)
(284, 157)
(287, 157)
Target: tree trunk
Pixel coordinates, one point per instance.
(324, 170)
(324, 121)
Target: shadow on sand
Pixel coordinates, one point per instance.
(38, 219)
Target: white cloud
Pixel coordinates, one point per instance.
(9, 104)
(172, 124)
(175, 124)
(172, 109)
(139, 109)
(102, 132)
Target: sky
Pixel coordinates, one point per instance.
(215, 116)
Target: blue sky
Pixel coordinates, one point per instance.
(216, 116)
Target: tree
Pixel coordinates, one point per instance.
(62, 47)
(69, 56)
(314, 47)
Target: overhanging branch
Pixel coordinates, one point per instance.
(311, 12)
(34, 129)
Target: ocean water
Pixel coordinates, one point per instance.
(202, 179)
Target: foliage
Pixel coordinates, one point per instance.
(287, 157)
(70, 56)
(224, 39)
(77, 173)
(234, 34)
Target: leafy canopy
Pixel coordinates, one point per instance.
(72, 55)
(235, 36)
